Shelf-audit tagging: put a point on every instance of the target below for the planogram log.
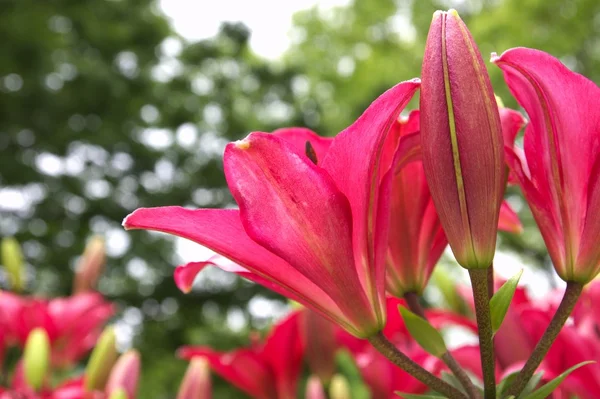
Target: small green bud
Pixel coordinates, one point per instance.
(12, 259)
(118, 394)
(36, 358)
(339, 388)
(101, 361)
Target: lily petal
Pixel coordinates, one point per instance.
(293, 208)
(299, 136)
(242, 368)
(221, 230)
(285, 339)
(509, 220)
(353, 163)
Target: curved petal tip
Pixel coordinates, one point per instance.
(185, 275)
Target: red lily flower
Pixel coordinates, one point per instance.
(124, 375)
(268, 370)
(69, 389)
(73, 324)
(559, 171)
(461, 140)
(316, 233)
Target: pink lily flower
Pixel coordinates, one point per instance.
(124, 375)
(316, 233)
(73, 324)
(268, 370)
(417, 239)
(559, 170)
(70, 389)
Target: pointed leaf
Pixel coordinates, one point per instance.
(548, 388)
(424, 333)
(533, 383)
(452, 380)
(501, 300)
(505, 383)
(508, 380)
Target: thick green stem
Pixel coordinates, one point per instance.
(563, 312)
(461, 376)
(387, 349)
(479, 282)
(490, 277)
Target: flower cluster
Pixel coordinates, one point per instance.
(339, 224)
(54, 335)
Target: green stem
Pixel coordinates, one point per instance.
(479, 282)
(461, 376)
(563, 312)
(412, 300)
(387, 349)
(490, 278)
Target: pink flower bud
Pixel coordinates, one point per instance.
(90, 266)
(461, 138)
(196, 382)
(125, 374)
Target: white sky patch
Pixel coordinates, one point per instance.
(270, 21)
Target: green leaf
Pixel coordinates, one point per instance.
(424, 333)
(508, 380)
(452, 380)
(547, 389)
(501, 300)
(415, 396)
(532, 384)
(505, 383)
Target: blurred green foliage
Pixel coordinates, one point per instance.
(103, 109)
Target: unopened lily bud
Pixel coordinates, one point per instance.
(196, 382)
(125, 374)
(118, 394)
(12, 259)
(101, 361)
(36, 358)
(461, 140)
(90, 266)
(314, 388)
(339, 388)
(319, 336)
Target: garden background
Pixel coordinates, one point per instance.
(106, 107)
